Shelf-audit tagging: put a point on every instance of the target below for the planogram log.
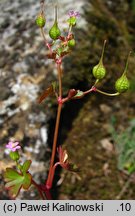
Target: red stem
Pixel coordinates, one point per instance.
(51, 174)
(39, 189)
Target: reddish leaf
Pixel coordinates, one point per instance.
(63, 156)
(52, 55)
(72, 93)
(63, 161)
(45, 94)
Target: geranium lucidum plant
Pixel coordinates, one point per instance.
(60, 46)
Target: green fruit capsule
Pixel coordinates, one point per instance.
(55, 31)
(71, 43)
(122, 84)
(99, 70)
(40, 20)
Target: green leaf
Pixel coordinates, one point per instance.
(15, 181)
(54, 86)
(59, 51)
(27, 181)
(14, 190)
(26, 166)
(10, 174)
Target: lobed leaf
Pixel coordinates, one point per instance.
(27, 181)
(15, 181)
(26, 166)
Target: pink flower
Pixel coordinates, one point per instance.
(13, 146)
(72, 13)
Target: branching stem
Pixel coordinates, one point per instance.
(45, 40)
(39, 190)
(50, 179)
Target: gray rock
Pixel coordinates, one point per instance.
(11, 40)
(4, 92)
(5, 23)
(3, 62)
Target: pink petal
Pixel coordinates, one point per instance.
(71, 13)
(8, 146)
(74, 13)
(17, 147)
(13, 149)
(10, 143)
(77, 14)
(15, 143)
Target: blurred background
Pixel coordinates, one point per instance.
(97, 131)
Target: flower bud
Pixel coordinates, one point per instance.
(40, 20)
(72, 93)
(71, 43)
(14, 155)
(72, 21)
(99, 70)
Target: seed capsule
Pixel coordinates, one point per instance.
(71, 43)
(122, 84)
(55, 31)
(40, 20)
(72, 93)
(99, 70)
